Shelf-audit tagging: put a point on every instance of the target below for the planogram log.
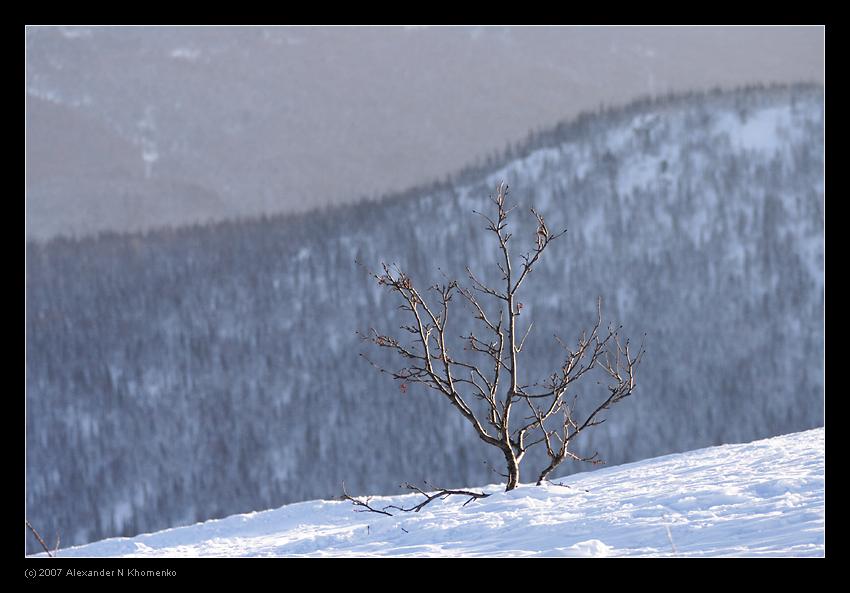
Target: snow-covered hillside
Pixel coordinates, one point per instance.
(764, 498)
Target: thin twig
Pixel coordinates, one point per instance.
(361, 503)
(38, 537)
(670, 537)
(565, 485)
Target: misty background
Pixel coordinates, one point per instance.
(209, 365)
(131, 128)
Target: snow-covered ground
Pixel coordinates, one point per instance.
(759, 499)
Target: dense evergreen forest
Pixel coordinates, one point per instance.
(193, 373)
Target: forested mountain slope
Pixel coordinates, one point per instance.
(195, 373)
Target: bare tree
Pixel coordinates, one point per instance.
(505, 412)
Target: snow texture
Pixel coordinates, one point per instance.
(764, 498)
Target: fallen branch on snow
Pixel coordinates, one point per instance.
(441, 493)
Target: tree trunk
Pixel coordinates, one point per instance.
(513, 471)
(545, 473)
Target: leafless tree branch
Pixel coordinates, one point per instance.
(362, 503)
(439, 493)
(41, 541)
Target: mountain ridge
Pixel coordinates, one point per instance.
(256, 122)
(534, 140)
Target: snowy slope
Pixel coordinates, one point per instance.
(759, 499)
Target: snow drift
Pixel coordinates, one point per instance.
(764, 498)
